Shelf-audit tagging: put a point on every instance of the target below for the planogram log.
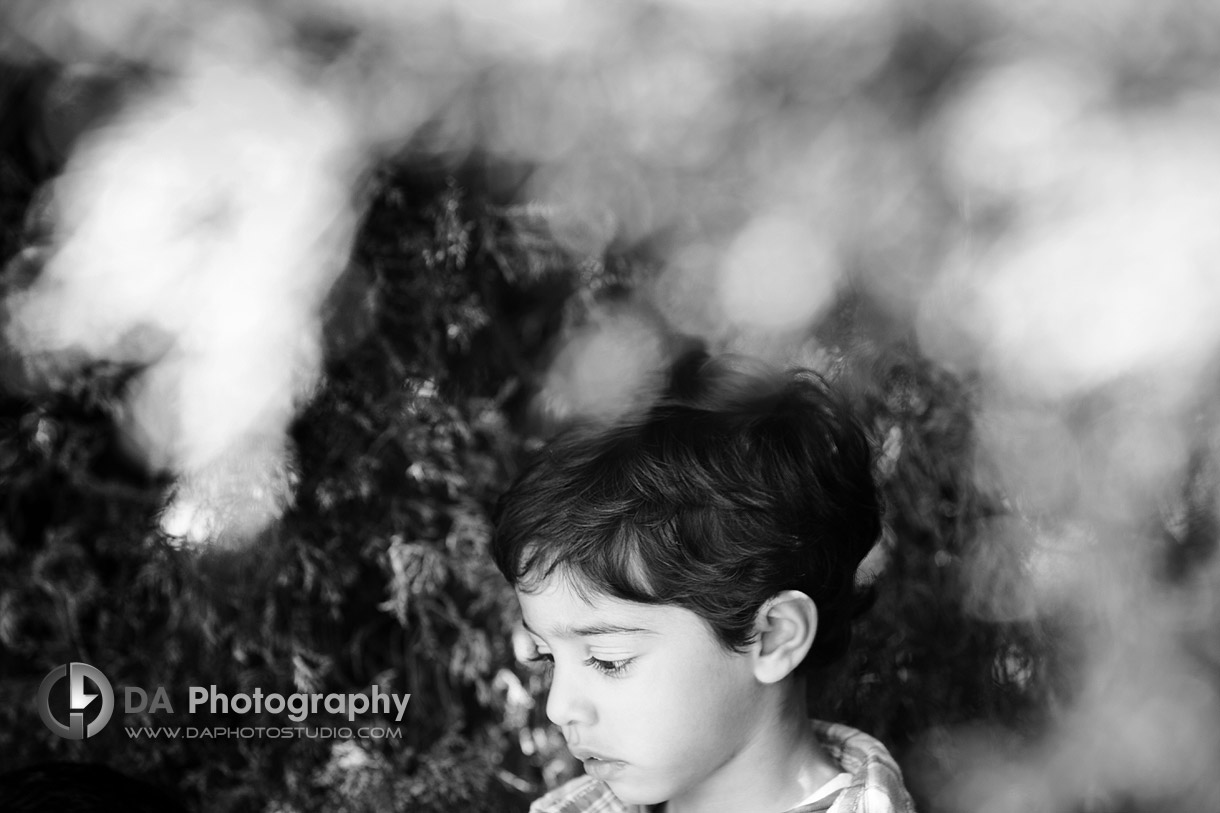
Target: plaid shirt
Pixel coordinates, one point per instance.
(876, 782)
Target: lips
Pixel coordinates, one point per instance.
(603, 769)
(597, 764)
(586, 754)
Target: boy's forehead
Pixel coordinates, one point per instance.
(555, 608)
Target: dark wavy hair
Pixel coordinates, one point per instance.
(740, 482)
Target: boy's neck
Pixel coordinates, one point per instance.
(775, 772)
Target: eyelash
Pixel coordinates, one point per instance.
(608, 668)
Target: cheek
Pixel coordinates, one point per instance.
(682, 698)
(679, 733)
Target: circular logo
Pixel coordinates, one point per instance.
(78, 700)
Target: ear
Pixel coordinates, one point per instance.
(785, 625)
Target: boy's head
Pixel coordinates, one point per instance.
(740, 483)
(677, 570)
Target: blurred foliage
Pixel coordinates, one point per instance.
(378, 575)
(921, 661)
(438, 335)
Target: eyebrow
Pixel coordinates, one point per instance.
(592, 629)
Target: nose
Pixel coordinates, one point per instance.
(567, 703)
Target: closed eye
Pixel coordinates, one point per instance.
(611, 668)
(546, 659)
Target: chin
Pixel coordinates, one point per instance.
(632, 794)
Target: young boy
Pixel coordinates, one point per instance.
(682, 572)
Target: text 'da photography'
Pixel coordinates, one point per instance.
(86, 718)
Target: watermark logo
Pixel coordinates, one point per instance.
(79, 699)
(366, 711)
